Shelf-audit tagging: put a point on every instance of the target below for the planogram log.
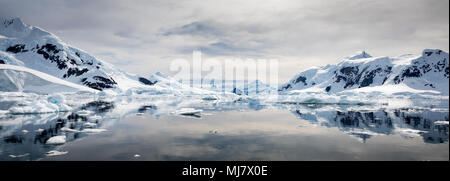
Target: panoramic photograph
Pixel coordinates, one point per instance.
(285, 80)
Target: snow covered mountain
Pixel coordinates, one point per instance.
(21, 79)
(238, 87)
(362, 72)
(255, 87)
(37, 49)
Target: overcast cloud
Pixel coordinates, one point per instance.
(144, 36)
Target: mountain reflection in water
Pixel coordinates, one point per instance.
(17, 144)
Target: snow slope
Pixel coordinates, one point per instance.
(37, 49)
(428, 72)
(161, 80)
(22, 79)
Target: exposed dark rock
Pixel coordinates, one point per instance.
(368, 78)
(50, 48)
(75, 71)
(300, 79)
(16, 48)
(104, 83)
(97, 85)
(349, 70)
(412, 71)
(2, 61)
(145, 81)
(431, 85)
(145, 108)
(73, 62)
(288, 86)
(328, 88)
(105, 80)
(237, 91)
(48, 51)
(349, 76)
(428, 53)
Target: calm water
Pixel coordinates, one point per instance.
(258, 133)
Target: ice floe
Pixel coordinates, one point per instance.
(56, 140)
(441, 123)
(214, 131)
(210, 98)
(56, 153)
(69, 130)
(84, 112)
(90, 125)
(95, 117)
(19, 156)
(93, 130)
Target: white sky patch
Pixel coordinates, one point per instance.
(142, 37)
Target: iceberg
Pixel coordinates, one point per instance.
(56, 140)
(93, 130)
(69, 130)
(56, 153)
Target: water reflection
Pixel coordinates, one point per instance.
(365, 124)
(24, 137)
(217, 144)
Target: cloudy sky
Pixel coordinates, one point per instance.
(144, 36)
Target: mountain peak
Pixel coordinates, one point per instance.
(12, 22)
(13, 27)
(359, 55)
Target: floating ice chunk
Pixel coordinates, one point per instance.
(441, 123)
(24, 131)
(410, 133)
(210, 98)
(84, 112)
(55, 99)
(188, 112)
(39, 130)
(64, 108)
(37, 107)
(69, 130)
(34, 108)
(18, 156)
(56, 153)
(93, 130)
(56, 140)
(137, 156)
(215, 131)
(90, 125)
(95, 117)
